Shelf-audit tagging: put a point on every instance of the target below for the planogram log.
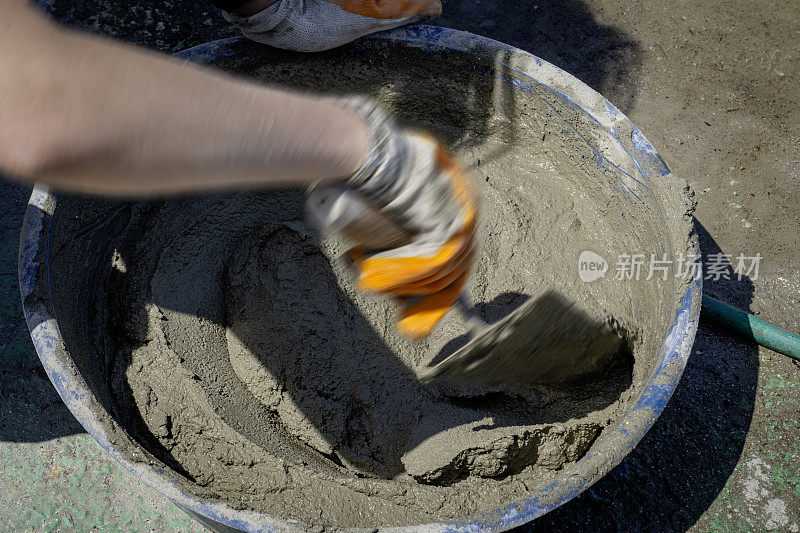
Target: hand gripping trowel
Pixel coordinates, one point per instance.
(546, 340)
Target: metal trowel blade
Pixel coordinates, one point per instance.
(547, 340)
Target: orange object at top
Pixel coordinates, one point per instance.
(390, 9)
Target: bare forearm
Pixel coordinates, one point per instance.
(91, 115)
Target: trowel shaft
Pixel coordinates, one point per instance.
(467, 309)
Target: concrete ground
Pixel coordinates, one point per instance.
(715, 85)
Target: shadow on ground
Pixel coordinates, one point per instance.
(565, 33)
(685, 460)
(31, 410)
(166, 25)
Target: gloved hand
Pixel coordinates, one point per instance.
(314, 25)
(410, 214)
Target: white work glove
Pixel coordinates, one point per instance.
(315, 25)
(410, 214)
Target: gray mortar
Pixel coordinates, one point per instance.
(238, 353)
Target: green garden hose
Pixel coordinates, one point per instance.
(751, 327)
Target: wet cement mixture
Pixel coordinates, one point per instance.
(237, 352)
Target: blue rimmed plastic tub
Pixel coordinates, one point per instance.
(529, 74)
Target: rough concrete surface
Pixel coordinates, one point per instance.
(714, 87)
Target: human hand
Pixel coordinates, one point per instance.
(410, 214)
